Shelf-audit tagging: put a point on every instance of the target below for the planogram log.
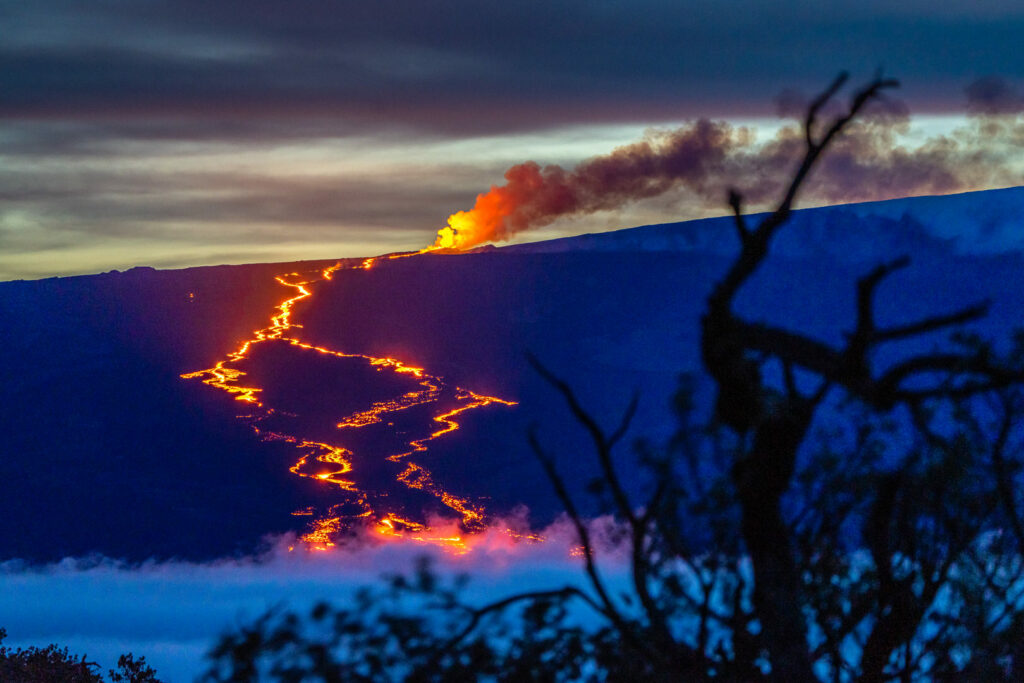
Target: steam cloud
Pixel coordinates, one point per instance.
(872, 161)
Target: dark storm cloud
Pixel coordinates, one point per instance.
(87, 136)
(482, 65)
(214, 107)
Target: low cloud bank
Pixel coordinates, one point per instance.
(172, 612)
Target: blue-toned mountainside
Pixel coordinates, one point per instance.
(104, 448)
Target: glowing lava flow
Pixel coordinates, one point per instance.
(331, 463)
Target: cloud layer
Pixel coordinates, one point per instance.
(483, 65)
(172, 612)
(152, 131)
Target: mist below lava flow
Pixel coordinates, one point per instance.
(105, 449)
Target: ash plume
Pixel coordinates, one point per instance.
(877, 158)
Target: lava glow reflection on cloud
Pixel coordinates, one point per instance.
(172, 612)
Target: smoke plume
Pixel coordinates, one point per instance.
(877, 158)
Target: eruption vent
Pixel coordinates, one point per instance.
(872, 161)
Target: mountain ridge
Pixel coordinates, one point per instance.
(929, 222)
(97, 417)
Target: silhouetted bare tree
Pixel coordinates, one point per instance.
(892, 551)
(775, 423)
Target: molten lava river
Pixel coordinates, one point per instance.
(397, 407)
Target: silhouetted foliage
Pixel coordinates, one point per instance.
(43, 665)
(835, 519)
(131, 670)
(53, 664)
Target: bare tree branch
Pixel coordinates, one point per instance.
(602, 445)
(1003, 484)
(624, 423)
(938, 322)
(755, 248)
(820, 101)
(736, 203)
(478, 614)
(581, 528)
(866, 288)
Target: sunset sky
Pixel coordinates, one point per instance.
(178, 133)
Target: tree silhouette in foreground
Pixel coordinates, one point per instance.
(839, 519)
(53, 664)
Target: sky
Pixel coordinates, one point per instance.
(180, 133)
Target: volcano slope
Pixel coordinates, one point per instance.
(106, 448)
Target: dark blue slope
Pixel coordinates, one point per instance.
(103, 448)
